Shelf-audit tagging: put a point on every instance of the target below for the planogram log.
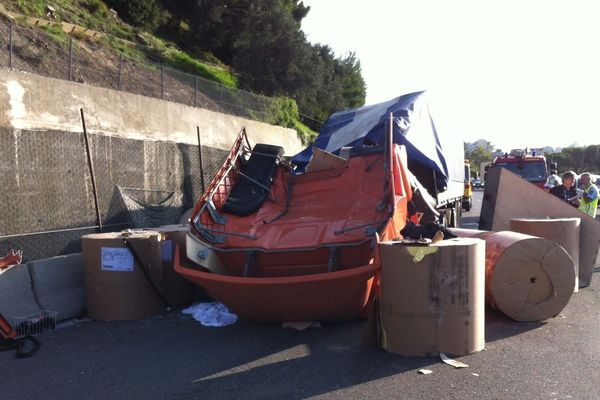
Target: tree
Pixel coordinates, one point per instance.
(578, 159)
(145, 14)
(262, 40)
(354, 88)
(476, 156)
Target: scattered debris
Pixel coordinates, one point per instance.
(454, 363)
(425, 371)
(211, 314)
(301, 325)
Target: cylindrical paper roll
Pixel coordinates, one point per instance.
(564, 231)
(527, 278)
(432, 297)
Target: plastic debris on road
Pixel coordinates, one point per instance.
(301, 325)
(211, 314)
(454, 363)
(425, 371)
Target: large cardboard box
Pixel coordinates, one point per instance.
(432, 297)
(116, 287)
(177, 290)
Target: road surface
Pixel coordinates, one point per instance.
(470, 219)
(174, 357)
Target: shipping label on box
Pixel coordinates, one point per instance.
(116, 259)
(167, 250)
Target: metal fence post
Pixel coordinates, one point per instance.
(221, 97)
(91, 167)
(10, 45)
(120, 71)
(195, 91)
(162, 82)
(200, 159)
(71, 59)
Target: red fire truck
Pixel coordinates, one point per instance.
(528, 166)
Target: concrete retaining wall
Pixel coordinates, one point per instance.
(145, 151)
(32, 102)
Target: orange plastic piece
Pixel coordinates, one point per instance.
(6, 331)
(12, 258)
(339, 295)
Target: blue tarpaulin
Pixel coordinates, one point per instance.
(413, 127)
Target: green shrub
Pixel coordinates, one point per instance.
(146, 14)
(305, 134)
(283, 111)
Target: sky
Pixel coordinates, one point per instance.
(516, 73)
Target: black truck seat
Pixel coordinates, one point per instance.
(247, 196)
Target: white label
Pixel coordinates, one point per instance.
(167, 250)
(116, 259)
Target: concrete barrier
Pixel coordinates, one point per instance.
(16, 293)
(58, 285)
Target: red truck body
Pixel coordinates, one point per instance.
(528, 167)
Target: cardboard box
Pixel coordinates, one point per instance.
(177, 290)
(432, 298)
(116, 288)
(322, 160)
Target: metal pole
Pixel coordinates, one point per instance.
(162, 82)
(195, 91)
(121, 71)
(200, 158)
(71, 59)
(10, 46)
(91, 167)
(221, 100)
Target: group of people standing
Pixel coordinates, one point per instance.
(585, 199)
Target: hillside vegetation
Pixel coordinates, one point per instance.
(252, 45)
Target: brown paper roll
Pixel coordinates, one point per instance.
(177, 290)
(116, 288)
(527, 278)
(564, 231)
(470, 233)
(432, 297)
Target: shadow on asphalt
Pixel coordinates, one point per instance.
(298, 365)
(499, 326)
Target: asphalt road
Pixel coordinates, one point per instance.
(174, 357)
(470, 219)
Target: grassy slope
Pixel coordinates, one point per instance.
(94, 14)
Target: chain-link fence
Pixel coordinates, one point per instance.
(48, 200)
(58, 56)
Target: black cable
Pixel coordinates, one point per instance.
(145, 272)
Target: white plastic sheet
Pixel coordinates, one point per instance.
(211, 314)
